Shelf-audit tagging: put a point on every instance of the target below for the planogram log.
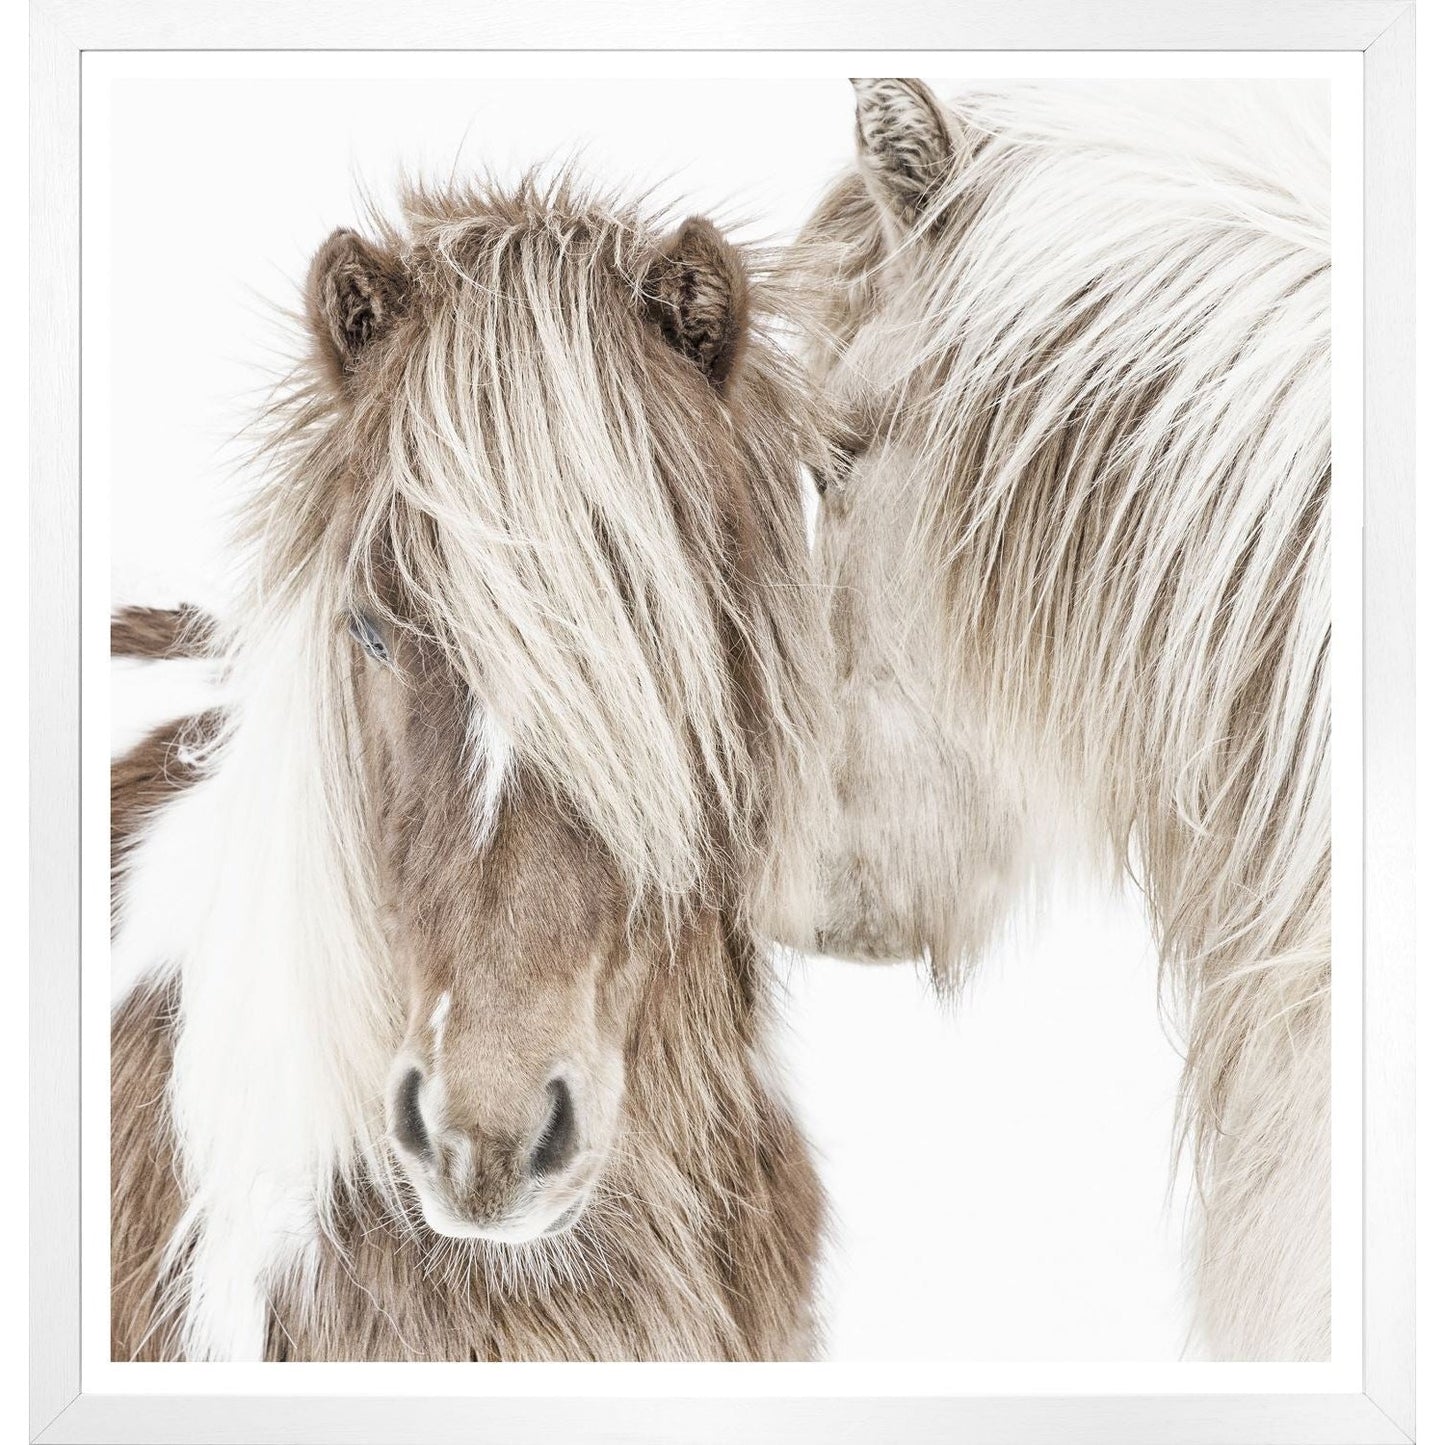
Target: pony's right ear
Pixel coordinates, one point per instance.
(696, 291)
(354, 290)
(907, 145)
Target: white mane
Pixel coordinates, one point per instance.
(1096, 368)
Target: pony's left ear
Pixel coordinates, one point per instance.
(696, 291)
(353, 292)
(907, 145)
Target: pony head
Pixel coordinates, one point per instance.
(535, 562)
(1076, 342)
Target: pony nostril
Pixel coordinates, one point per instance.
(559, 1138)
(410, 1128)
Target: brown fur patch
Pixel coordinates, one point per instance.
(149, 776)
(145, 1193)
(161, 632)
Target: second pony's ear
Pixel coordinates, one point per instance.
(696, 291)
(354, 290)
(907, 145)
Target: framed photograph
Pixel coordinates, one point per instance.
(756, 786)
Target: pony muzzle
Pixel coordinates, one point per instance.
(490, 1181)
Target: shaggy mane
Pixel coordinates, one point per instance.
(597, 544)
(1109, 377)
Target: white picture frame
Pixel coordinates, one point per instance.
(1382, 1413)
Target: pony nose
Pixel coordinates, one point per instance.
(557, 1142)
(409, 1123)
(485, 1152)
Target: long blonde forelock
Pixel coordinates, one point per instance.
(557, 496)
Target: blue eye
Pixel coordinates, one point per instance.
(366, 632)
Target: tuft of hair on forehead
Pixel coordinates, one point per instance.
(585, 493)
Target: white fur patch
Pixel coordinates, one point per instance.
(438, 1021)
(432, 1102)
(489, 769)
(288, 1020)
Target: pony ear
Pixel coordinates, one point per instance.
(696, 291)
(907, 144)
(354, 290)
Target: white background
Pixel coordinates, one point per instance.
(998, 1174)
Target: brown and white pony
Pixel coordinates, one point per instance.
(442, 1030)
(1077, 341)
